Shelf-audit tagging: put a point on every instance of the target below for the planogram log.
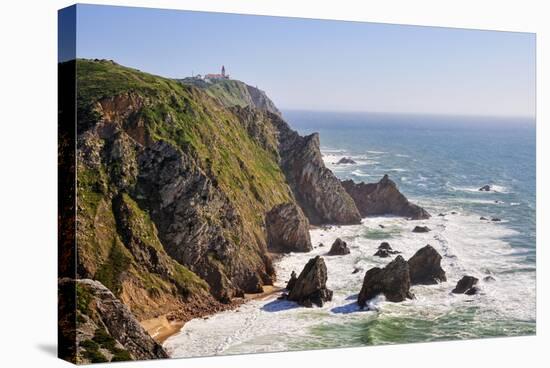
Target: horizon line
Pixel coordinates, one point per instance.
(419, 113)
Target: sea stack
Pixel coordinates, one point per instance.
(383, 198)
(393, 281)
(310, 288)
(425, 267)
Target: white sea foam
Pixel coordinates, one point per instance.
(360, 173)
(377, 152)
(468, 247)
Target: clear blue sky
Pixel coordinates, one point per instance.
(325, 65)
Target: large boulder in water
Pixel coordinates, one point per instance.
(287, 229)
(393, 281)
(466, 285)
(425, 267)
(485, 188)
(382, 198)
(310, 287)
(421, 229)
(339, 248)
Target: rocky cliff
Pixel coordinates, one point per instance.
(107, 331)
(172, 190)
(183, 187)
(317, 190)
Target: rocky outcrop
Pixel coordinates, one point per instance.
(385, 250)
(421, 229)
(382, 198)
(317, 190)
(393, 281)
(346, 161)
(339, 248)
(287, 229)
(425, 267)
(485, 188)
(310, 287)
(170, 185)
(106, 330)
(466, 285)
(292, 281)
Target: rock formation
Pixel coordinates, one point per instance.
(290, 284)
(346, 161)
(385, 250)
(393, 281)
(485, 188)
(382, 198)
(425, 267)
(287, 229)
(421, 229)
(382, 253)
(182, 189)
(107, 331)
(317, 190)
(339, 248)
(466, 285)
(310, 287)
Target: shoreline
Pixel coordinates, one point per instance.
(161, 328)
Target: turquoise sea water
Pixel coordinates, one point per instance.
(440, 163)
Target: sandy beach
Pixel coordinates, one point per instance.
(161, 328)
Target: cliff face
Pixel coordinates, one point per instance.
(107, 330)
(317, 190)
(182, 186)
(172, 193)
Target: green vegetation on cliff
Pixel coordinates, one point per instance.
(121, 113)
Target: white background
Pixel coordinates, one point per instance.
(28, 187)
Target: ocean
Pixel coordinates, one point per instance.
(438, 162)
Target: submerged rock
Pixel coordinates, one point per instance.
(385, 245)
(287, 229)
(465, 284)
(425, 267)
(485, 188)
(346, 160)
(421, 229)
(483, 218)
(393, 281)
(339, 248)
(382, 253)
(310, 287)
(383, 198)
(495, 219)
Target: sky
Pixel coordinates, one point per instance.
(326, 65)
